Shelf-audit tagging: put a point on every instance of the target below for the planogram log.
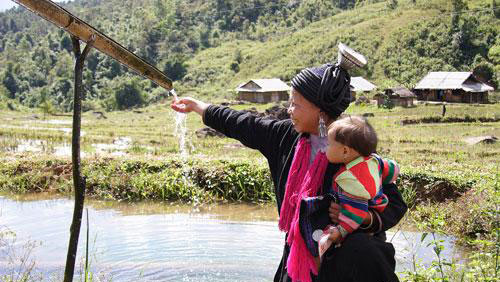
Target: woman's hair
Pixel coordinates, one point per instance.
(355, 132)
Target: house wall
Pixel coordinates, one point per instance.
(452, 96)
(399, 102)
(403, 102)
(478, 97)
(263, 97)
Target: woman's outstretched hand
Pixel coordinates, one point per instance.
(188, 104)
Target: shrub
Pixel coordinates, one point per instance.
(128, 95)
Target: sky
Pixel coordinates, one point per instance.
(7, 4)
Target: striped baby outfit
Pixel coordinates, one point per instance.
(356, 187)
(359, 186)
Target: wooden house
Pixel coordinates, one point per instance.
(264, 90)
(400, 96)
(455, 87)
(360, 85)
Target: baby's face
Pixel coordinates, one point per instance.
(334, 151)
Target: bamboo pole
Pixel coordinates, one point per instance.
(80, 29)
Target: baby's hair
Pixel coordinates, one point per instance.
(355, 132)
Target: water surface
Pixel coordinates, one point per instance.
(164, 242)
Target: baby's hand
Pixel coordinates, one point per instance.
(323, 245)
(331, 235)
(334, 234)
(334, 212)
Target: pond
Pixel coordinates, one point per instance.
(164, 242)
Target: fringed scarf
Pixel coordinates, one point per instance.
(303, 181)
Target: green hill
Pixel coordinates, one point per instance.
(209, 48)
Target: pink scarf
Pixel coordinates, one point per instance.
(303, 181)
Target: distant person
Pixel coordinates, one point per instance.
(295, 151)
(444, 109)
(357, 185)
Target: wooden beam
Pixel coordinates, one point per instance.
(80, 29)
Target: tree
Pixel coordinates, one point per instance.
(4, 92)
(393, 4)
(494, 8)
(65, 43)
(494, 54)
(10, 82)
(234, 66)
(61, 91)
(457, 9)
(13, 26)
(346, 4)
(64, 66)
(45, 103)
(237, 56)
(485, 71)
(204, 34)
(128, 95)
(108, 67)
(24, 44)
(54, 46)
(175, 68)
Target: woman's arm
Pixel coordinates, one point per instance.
(254, 132)
(393, 213)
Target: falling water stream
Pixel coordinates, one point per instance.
(181, 133)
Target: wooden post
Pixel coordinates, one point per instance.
(78, 180)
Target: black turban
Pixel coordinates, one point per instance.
(327, 87)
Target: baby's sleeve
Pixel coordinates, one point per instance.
(379, 202)
(352, 212)
(390, 171)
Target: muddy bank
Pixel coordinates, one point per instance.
(228, 180)
(428, 188)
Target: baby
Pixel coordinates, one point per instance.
(356, 186)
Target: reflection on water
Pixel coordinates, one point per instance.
(34, 128)
(119, 147)
(57, 121)
(165, 242)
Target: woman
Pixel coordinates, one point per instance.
(294, 150)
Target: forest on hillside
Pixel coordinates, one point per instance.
(208, 47)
